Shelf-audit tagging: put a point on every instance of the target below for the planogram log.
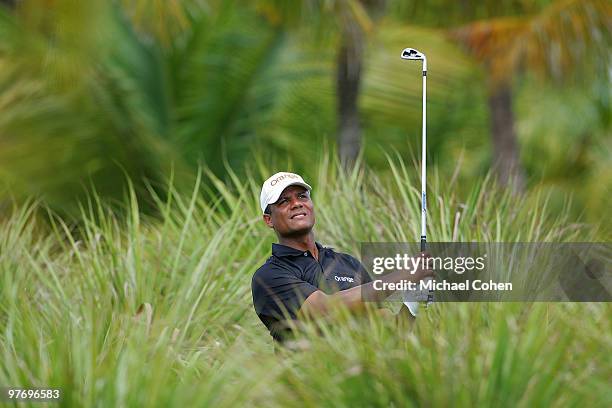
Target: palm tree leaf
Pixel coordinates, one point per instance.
(555, 43)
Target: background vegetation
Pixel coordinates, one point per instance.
(93, 91)
(134, 137)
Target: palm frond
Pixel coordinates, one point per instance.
(564, 37)
(94, 101)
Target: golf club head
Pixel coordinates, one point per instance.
(412, 54)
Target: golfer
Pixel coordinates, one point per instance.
(303, 278)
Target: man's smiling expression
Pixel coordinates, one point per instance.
(293, 213)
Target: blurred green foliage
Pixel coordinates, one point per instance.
(93, 93)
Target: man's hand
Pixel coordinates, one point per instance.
(423, 271)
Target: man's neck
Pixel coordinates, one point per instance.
(301, 243)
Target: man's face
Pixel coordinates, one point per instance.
(292, 214)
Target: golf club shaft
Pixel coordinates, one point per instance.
(424, 165)
(430, 297)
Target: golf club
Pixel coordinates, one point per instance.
(414, 55)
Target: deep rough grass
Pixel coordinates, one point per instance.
(127, 310)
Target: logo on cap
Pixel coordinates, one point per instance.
(282, 177)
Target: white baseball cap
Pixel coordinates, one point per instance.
(274, 186)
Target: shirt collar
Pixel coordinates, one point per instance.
(280, 250)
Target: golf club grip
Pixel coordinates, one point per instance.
(430, 297)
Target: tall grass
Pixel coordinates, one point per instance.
(128, 310)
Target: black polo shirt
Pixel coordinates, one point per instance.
(289, 276)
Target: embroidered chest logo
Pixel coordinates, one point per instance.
(344, 279)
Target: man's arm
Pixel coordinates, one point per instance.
(319, 303)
